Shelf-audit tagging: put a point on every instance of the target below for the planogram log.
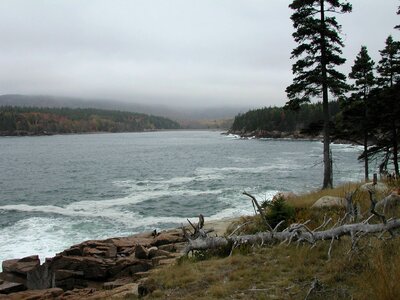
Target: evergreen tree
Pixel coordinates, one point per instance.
(389, 71)
(389, 65)
(317, 54)
(362, 72)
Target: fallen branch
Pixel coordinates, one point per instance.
(260, 210)
(205, 242)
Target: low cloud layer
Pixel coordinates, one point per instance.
(171, 52)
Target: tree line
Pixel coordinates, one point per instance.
(369, 97)
(283, 120)
(36, 121)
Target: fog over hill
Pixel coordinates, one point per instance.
(186, 113)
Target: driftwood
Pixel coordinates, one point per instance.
(299, 233)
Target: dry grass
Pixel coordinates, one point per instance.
(287, 271)
(307, 200)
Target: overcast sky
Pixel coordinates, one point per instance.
(174, 52)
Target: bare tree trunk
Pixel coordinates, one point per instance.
(395, 151)
(366, 156)
(296, 232)
(327, 184)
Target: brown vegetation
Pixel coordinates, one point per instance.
(370, 271)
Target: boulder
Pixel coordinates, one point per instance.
(396, 191)
(378, 187)
(21, 266)
(388, 204)
(126, 291)
(117, 283)
(141, 252)
(13, 277)
(128, 266)
(92, 267)
(47, 294)
(168, 247)
(99, 248)
(8, 287)
(130, 242)
(155, 252)
(167, 238)
(68, 280)
(128, 251)
(330, 201)
(40, 278)
(73, 251)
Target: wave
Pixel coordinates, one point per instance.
(233, 136)
(156, 184)
(277, 165)
(51, 234)
(347, 148)
(105, 208)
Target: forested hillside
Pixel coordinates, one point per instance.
(266, 120)
(36, 121)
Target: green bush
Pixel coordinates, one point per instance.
(277, 211)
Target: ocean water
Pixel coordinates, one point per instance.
(56, 191)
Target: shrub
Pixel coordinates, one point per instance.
(277, 211)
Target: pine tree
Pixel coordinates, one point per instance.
(389, 65)
(362, 72)
(317, 54)
(389, 79)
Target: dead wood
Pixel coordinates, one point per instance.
(259, 208)
(299, 233)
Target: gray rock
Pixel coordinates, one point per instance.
(388, 204)
(40, 278)
(378, 187)
(329, 201)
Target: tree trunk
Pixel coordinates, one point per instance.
(327, 184)
(296, 233)
(395, 151)
(366, 156)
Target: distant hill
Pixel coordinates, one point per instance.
(26, 120)
(187, 116)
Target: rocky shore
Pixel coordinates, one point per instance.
(96, 269)
(275, 135)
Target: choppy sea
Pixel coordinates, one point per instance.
(56, 191)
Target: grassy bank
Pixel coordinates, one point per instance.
(289, 271)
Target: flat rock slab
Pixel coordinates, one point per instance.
(21, 266)
(47, 294)
(11, 287)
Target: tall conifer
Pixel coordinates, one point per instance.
(318, 53)
(362, 72)
(389, 79)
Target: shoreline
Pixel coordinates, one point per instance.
(288, 136)
(2, 134)
(102, 267)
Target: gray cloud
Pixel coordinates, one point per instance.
(181, 52)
